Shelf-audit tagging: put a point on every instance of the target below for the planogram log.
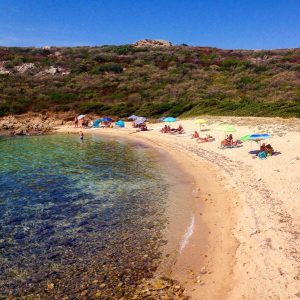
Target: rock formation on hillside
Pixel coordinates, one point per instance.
(4, 71)
(152, 43)
(54, 71)
(24, 68)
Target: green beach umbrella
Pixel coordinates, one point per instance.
(226, 128)
(245, 138)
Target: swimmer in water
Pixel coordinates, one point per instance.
(81, 135)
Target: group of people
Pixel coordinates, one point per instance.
(168, 129)
(84, 122)
(263, 152)
(199, 139)
(143, 127)
(266, 150)
(106, 124)
(140, 127)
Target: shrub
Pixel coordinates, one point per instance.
(4, 109)
(9, 65)
(110, 67)
(95, 107)
(231, 63)
(61, 97)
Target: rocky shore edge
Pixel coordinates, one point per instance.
(33, 123)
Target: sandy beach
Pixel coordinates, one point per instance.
(241, 237)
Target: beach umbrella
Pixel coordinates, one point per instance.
(170, 119)
(140, 120)
(226, 128)
(80, 117)
(245, 138)
(259, 137)
(200, 121)
(161, 119)
(132, 117)
(106, 119)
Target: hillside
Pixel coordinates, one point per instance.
(150, 81)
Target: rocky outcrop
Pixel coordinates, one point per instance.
(54, 71)
(25, 68)
(4, 71)
(152, 43)
(27, 125)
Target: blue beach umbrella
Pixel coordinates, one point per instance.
(259, 137)
(170, 119)
(106, 119)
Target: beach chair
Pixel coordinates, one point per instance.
(235, 145)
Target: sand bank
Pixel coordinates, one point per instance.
(241, 240)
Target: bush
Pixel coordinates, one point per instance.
(231, 63)
(62, 98)
(95, 107)
(4, 109)
(9, 65)
(109, 68)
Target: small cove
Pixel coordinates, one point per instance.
(79, 218)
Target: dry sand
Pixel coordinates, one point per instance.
(241, 239)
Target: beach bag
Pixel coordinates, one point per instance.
(262, 155)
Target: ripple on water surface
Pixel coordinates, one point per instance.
(78, 219)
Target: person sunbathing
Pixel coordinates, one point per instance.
(208, 138)
(228, 141)
(180, 129)
(195, 135)
(164, 129)
(143, 127)
(263, 147)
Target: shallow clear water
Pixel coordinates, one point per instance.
(78, 219)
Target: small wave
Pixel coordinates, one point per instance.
(187, 235)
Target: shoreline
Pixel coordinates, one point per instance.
(251, 215)
(193, 248)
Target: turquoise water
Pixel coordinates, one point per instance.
(78, 218)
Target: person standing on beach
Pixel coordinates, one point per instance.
(81, 135)
(76, 121)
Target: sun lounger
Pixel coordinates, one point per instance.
(230, 146)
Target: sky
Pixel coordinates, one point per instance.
(227, 24)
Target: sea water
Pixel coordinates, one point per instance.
(78, 219)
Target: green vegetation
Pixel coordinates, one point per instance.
(177, 81)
